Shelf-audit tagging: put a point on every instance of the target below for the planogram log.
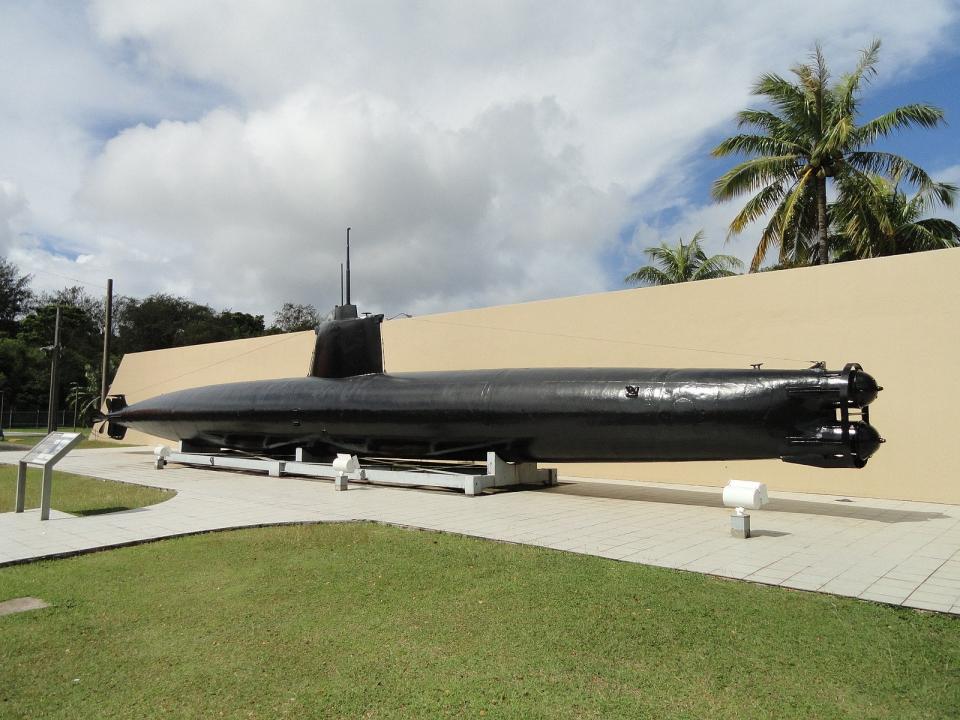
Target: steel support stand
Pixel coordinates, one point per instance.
(21, 486)
(46, 491)
(499, 472)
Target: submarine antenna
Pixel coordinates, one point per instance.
(345, 310)
(348, 266)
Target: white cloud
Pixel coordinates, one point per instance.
(482, 152)
(12, 204)
(488, 212)
(643, 79)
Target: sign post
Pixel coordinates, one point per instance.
(45, 454)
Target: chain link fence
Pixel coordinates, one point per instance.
(28, 419)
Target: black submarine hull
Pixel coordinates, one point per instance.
(813, 417)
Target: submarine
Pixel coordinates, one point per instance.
(348, 404)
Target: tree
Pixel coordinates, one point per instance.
(878, 219)
(237, 325)
(77, 297)
(683, 263)
(79, 337)
(15, 295)
(810, 136)
(24, 374)
(164, 321)
(293, 318)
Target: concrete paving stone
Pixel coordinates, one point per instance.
(680, 559)
(766, 578)
(617, 553)
(938, 553)
(893, 587)
(736, 573)
(806, 581)
(839, 587)
(921, 560)
(889, 599)
(937, 585)
(21, 604)
(642, 557)
(886, 591)
(927, 605)
(907, 577)
(703, 565)
(789, 563)
(864, 580)
(923, 593)
(898, 583)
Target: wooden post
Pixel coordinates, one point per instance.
(105, 366)
(54, 378)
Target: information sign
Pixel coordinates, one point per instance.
(44, 454)
(53, 447)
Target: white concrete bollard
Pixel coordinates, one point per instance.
(741, 495)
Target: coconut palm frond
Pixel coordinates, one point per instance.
(901, 118)
(755, 145)
(649, 275)
(810, 136)
(684, 262)
(751, 175)
(938, 233)
(756, 207)
(890, 165)
(717, 266)
(846, 90)
(770, 238)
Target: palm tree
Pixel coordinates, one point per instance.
(683, 263)
(878, 219)
(810, 135)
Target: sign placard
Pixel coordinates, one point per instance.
(53, 447)
(44, 454)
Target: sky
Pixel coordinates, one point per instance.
(482, 153)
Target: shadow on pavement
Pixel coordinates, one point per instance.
(680, 496)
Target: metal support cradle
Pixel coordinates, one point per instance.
(472, 479)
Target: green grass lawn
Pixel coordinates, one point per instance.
(77, 494)
(359, 620)
(31, 440)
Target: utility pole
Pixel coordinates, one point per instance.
(105, 367)
(76, 401)
(348, 266)
(54, 377)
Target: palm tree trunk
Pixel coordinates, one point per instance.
(822, 219)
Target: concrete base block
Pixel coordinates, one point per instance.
(740, 526)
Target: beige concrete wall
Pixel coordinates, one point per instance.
(897, 316)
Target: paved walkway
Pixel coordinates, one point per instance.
(903, 553)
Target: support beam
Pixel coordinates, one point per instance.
(499, 473)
